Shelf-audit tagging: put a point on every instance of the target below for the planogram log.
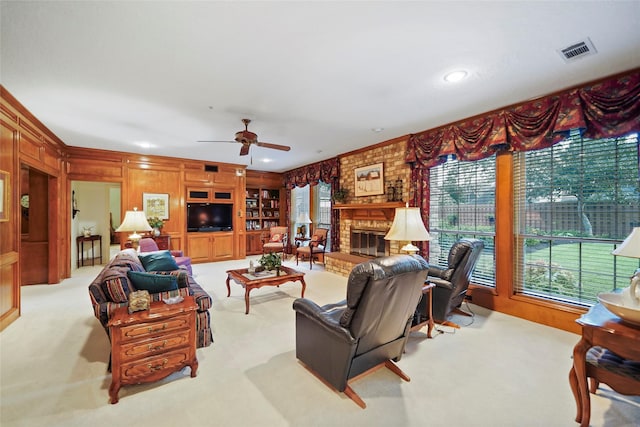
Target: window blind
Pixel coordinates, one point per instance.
(462, 204)
(574, 202)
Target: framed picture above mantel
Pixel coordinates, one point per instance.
(369, 180)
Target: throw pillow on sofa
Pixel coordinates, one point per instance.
(158, 261)
(181, 275)
(154, 283)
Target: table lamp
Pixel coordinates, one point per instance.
(407, 227)
(631, 248)
(303, 218)
(134, 221)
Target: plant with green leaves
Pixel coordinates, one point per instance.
(270, 261)
(340, 195)
(155, 222)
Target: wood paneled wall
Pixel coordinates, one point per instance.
(139, 174)
(27, 143)
(24, 141)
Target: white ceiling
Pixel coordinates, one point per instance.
(317, 76)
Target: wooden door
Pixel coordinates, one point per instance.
(34, 247)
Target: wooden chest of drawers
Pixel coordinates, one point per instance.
(152, 344)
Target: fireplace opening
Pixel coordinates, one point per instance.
(369, 242)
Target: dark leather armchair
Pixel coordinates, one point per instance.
(340, 341)
(452, 282)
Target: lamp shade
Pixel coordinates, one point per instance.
(408, 226)
(631, 245)
(134, 221)
(303, 218)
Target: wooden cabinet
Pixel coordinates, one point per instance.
(162, 241)
(151, 344)
(254, 242)
(264, 208)
(214, 246)
(210, 194)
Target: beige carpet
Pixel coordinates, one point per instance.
(496, 371)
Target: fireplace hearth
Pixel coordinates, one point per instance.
(369, 242)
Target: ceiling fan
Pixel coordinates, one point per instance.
(247, 138)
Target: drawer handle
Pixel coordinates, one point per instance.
(151, 330)
(157, 367)
(158, 347)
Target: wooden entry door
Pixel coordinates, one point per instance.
(34, 242)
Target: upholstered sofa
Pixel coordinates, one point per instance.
(111, 288)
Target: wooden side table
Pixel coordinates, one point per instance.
(149, 345)
(80, 248)
(601, 328)
(427, 292)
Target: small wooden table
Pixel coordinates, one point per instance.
(151, 344)
(426, 292)
(249, 282)
(80, 248)
(600, 327)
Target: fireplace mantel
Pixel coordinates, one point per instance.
(369, 211)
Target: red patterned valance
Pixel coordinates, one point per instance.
(327, 171)
(608, 108)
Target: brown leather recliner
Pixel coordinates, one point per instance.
(340, 341)
(452, 282)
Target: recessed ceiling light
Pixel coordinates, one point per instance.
(144, 144)
(455, 76)
(377, 130)
(266, 160)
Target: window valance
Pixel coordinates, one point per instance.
(327, 171)
(610, 107)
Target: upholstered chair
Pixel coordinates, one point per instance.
(147, 244)
(338, 342)
(316, 246)
(276, 242)
(452, 281)
(602, 365)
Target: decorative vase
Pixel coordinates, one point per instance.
(86, 233)
(156, 231)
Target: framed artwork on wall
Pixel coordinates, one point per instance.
(4, 196)
(156, 204)
(369, 180)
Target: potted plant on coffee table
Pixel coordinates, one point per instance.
(271, 261)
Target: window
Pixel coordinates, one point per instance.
(574, 202)
(462, 204)
(299, 205)
(322, 209)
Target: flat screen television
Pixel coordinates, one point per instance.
(209, 217)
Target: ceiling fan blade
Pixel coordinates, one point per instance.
(244, 150)
(274, 146)
(217, 141)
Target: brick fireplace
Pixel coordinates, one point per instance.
(362, 231)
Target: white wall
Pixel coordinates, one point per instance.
(94, 200)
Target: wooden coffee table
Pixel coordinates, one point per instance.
(250, 282)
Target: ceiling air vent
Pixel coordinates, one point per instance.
(578, 50)
(211, 168)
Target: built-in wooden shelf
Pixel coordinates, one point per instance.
(368, 211)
